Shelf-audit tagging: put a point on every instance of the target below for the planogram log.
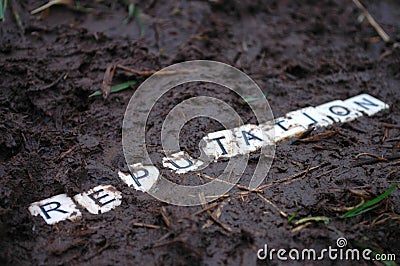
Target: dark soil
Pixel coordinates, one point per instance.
(300, 54)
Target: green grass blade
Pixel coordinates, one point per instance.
(139, 22)
(313, 219)
(1, 11)
(123, 86)
(388, 262)
(369, 205)
(116, 88)
(3, 7)
(134, 13)
(362, 211)
(291, 218)
(131, 12)
(96, 93)
(79, 7)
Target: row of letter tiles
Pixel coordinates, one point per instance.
(225, 143)
(100, 199)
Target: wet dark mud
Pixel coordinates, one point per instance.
(54, 139)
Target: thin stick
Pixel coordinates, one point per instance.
(387, 125)
(290, 178)
(62, 155)
(55, 82)
(346, 209)
(177, 240)
(217, 221)
(300, 227)
(107, 80)
(371, 155)
(49, 4)
(215, 215)
(216, 179)
(218, 196)
(164, 215)
(152, 226)
(325, 173)
(212, 206)
(273, 205)
(375, 159)
(147, 73)
(372, 21)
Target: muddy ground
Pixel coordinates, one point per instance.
(55, 139)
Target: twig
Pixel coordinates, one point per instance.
(372, 21)
(393, 139)
(147, 73)
(298, 228)
(387, 125)
(164, 215)
(110, 72)
(49, 4)
(212, 206)
(371, 155)
(100, 250)
(214, 215)
(65, 153)
(107, 81)
(222, 181)
(176, 240)
(375, 159)
(248, 189)
(216, 179)
(162, 238)
(218, 196)
(391, 216)
(304, 135)
(152, 226)
(291, 178)
(362, 193)
(325, 173)
(324, 135)
(273, 205)
(52, 84)
(346, 209)
(217, 221)
(385, 134)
